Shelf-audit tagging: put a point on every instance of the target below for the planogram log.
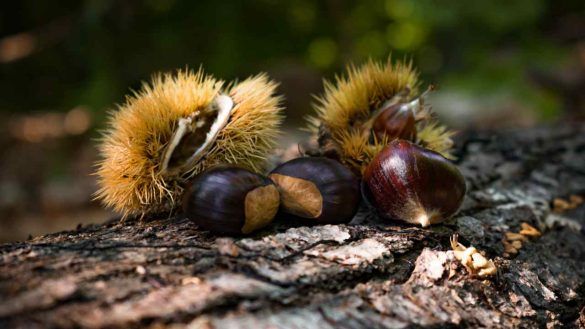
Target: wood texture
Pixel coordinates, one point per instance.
(369, 274)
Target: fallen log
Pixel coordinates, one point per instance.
(369, 274)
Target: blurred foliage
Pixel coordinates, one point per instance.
(59, 55)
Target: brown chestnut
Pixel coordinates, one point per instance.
(410, 183)
(231, 200)
(317, 188)
(395, 121)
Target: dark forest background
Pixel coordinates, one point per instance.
(64, 64)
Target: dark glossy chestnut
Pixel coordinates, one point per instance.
(317, 188)
(395, 121)
(410, 183)
(231, 200)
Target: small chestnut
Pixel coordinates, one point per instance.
(231, 200)
(319, 189)
(395, 121)
(410, 183)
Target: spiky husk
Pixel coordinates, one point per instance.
(129, 174)
(352, 99)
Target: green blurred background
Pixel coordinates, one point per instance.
(65, 63)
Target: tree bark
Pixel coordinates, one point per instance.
(368, 274)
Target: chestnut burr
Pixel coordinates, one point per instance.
(409, 183)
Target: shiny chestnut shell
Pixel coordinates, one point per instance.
(395, 121)
(410, 183)
(319, 189)
(231, 200)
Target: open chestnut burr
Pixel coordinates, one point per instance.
(317, 188)
(409, 183)
(231, 200)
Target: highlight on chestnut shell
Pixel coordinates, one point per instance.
(395, 121)
(231, 200)
(410, 183)
(317, 188)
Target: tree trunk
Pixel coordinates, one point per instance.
(368, 274)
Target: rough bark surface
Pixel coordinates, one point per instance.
(368, 274)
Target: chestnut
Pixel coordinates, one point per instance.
(318, 188)
(231, 200)
(413, 184)
(395, 121)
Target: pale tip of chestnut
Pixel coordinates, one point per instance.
(423, 220)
